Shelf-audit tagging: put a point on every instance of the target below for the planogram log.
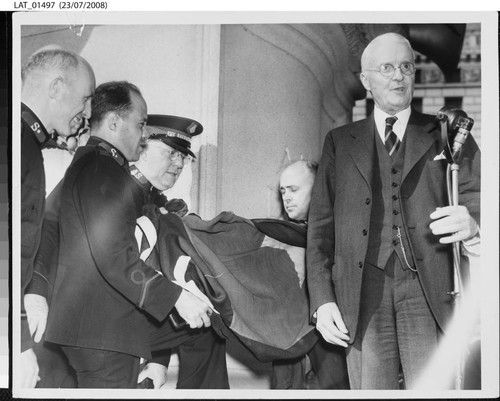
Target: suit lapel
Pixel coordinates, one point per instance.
(420, 135)
(362, 149)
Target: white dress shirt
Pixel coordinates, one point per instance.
(399, 126)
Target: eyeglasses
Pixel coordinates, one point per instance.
(388, 70)
(174, 154)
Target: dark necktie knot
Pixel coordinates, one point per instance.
(389, 123)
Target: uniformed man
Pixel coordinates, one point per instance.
(105, 297)
(57, 86)
(201, 354)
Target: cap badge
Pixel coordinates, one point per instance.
(192, 128)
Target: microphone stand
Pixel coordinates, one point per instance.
(458, 282)
(454, 157)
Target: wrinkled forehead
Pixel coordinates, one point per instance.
(296, 176)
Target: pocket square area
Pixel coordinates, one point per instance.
(440, 156)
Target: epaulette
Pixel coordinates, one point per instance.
(36, 126)
(105, 148)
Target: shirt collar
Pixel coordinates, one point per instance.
(400, 125)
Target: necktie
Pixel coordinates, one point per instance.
(392, 141)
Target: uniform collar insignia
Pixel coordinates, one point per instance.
(108, 149)
(36, 126)
(139, 178)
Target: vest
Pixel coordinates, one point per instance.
(386, 222)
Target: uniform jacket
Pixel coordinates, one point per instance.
(33, 137)
(341, 207)
(102, 287)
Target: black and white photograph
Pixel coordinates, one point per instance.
(255, 205)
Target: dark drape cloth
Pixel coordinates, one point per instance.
(255, 288)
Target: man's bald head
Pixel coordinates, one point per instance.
(57, 85)
(296, 184)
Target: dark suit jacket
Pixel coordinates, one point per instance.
(102, 287)
(341, 207)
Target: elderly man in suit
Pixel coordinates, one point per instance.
(379, 257)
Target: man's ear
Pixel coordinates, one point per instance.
(112, 121)
(364, 81)
(55, 87)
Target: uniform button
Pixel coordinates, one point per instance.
(394, 197)
(365, 231)
(394, 171)
(360, 264)
(395, 212)
(367, 201)
(394, 242)
(394, 184)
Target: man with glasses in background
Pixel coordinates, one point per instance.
(201, 355)
(379, 253)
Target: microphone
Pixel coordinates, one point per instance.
(464, 125)
(459, 125)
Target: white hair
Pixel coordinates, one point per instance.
(390, 36)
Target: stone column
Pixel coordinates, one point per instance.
(283, 86)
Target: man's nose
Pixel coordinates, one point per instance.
(87, 110)
(398, 75)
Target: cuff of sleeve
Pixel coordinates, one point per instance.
(330, 297)
(161, 357)
(161, 298)
(38, 285)
(314, 317)
(474, 240)
(472, 246)
(26, 340)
